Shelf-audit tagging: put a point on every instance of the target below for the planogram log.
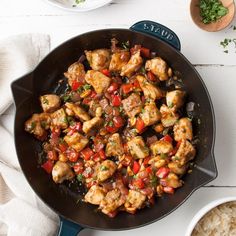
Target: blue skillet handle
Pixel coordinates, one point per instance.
(157, 30)
(68, 228)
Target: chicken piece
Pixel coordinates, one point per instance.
(133, 65)
(50, 102)
(98, 59)
(150, 91)
(98, 80)
(118, 60)
(132, 105)
(173, 181)
(134, 201)
(183, 129)
(95, 195)
(175, 99)
(114, 146)
(158, 67)
(106, 170)
(59, 119)
(161, 147)
(78, 112)
(38, 124)
(185, 153)
(177, 168)
(150, 114)
(168, 116)
(137, 147)
(91, 124)
(112, 201)
(61, 171)
(75, 73)
(77, 141)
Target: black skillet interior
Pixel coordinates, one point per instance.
(43, 80)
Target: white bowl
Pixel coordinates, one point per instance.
(70, 5)
(204, 210)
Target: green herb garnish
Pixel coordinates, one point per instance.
(163, 156)
(79, 1)
(153, 181)
(80, 177)
(103, 168)
(32, 126)
(126, 45)
(211, 10)
(87, 86)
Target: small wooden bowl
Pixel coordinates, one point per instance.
(214, 26)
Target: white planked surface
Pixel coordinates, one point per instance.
(217, 69)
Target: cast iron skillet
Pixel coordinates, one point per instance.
(26, 90)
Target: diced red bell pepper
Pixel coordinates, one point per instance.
(136, 167)
(86, 153)
(139, 125)
(52, 155)
(162, 172)
(75, 85)
(113, 87)
(169, 190)
(146, 160)
(138, 183)
(63, 147)
(127, 160)
(93, 94)
(106, 72)
(111, 129)
(151, 76)
(145, 52)
(78, 168)
(136, 84)
(102, 154)
(47, 166)
(149, 169)
(127, 88)
(74, 128)
(72, 155)
(167, 138)
(87, 101)
(116, 100)
(118, 121)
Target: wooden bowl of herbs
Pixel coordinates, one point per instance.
(212, 15)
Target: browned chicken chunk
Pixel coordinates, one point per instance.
(91, 124)
(118, 60)
(114, 146)
(175, 99)
(50, 102)
(112, 201)
(161, 146)
(62, 171)
(183, 129)
(77, 111)
(38, 124)
(150, 114)
(59, 119)
(150, 91)
(95, 195)
(98, 80)
(177, 168)
(77, 141)
(132, 105)
(98, 59)
(185, 153)
(134, 201)
(75, 73)
(168, 116)
(158, 67)
(137, 147)
(133, 65)
(106, 170)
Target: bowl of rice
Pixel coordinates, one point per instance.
(217, 218)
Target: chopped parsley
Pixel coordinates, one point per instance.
(80, 177)
(211, 10)
(45, 101)
(153, 181)
(103, 168)
(32, 125)
(87, 86)
(163, 156)
(126, 45)
(66, 97)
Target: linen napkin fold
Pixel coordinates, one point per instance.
(21, 211)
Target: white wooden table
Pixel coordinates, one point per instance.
(218, 70)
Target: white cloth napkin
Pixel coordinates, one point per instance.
(22, 213)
